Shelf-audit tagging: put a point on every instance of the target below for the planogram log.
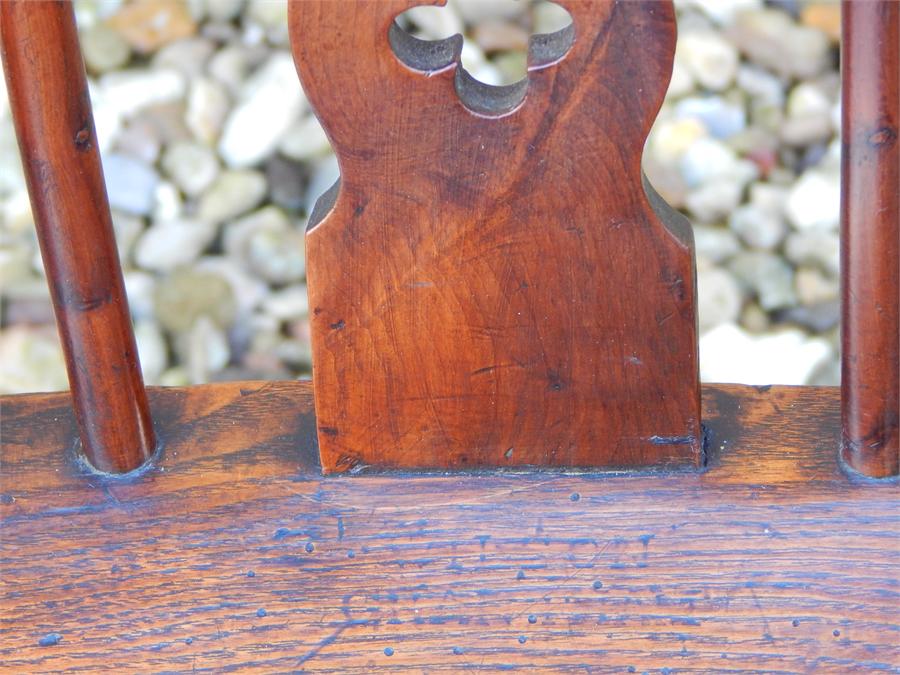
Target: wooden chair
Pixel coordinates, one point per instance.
(530, 475)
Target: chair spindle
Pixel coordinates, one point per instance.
(870, 240)
(54, 124)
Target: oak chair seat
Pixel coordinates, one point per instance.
(233, 552)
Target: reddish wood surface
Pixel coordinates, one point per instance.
(55, 128)
(871, 237)
(771, 560)
(491, 284)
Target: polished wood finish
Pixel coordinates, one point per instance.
(492, 284)
(232, 552)
(55, 128)
(870, 251)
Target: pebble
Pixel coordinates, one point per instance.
(814, 287)
(768, 276)
(192, 166)
(139, 139)
(772, 40)
(716, 198)
(232, 194)
(295, 353)
(719, 298)
(707, 160)
(287, 182)
(270, 103)
(747, 143)
(818, 317)
(166, 121)
(207, 108)
(788, 356)
(475, 62)
(723, 12)
(721, 118)
(755, 319)
(672, 137)
(272, 16)
(188, 56)
(268, 245)
(824, 16)
(711, 60)
(185, 295)
(152, 350)
(305, 140)
(434, 23)
(288, 304)
(204, 350)
(682, 82)
(127, 92)
(130, 183)
(761, 85)
(168, 203)
(12, 180)
(759, 228)
(167, 245)
(248, 291)
(149, 24)
(761, 223)
(818, 248)
(476, 11)
(814, 201)
(174, 377)
(28, 302)
(128, 228)
(15, 263)
(715, 243)
(103, 49)
(140, 287)
(31, 359)
(549, 17)
(229, 66)
(224, 10)
(809, 115)
(497, 36)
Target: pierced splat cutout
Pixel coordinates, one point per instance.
(497, 290)
(485, 98)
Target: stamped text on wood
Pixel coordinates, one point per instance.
(492, 283)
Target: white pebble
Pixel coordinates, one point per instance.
(130, 91)
(207, 108)
(193, 166)
(288, 304)
(305, 140)
(712, 60)
(815, 200)
(271, 101)
(152, 350)
(170, 244)
(730, 354)
(719, 297)
(232, 194)
(130, 183)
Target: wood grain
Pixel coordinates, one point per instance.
(492, 283)
(870, 241)
(232, 552)
(52, 113)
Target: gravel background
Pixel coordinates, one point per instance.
(213, 162)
